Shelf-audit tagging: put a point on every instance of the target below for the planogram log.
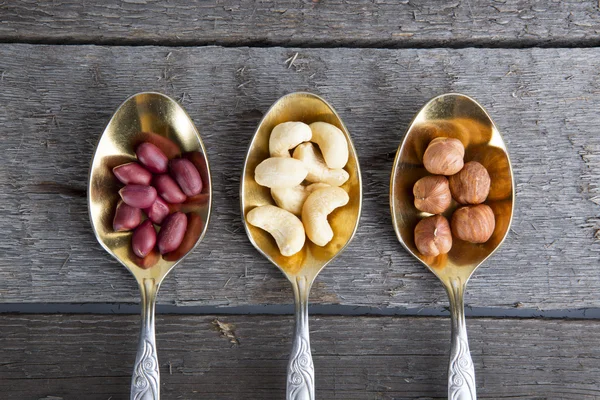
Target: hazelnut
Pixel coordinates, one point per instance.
(433, 236)
(423, 133)
(473, 224)
(432, 194)
(471, 185)
(496, 162)
(444, 156)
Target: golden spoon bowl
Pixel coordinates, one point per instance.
(140, 118)
(307, 108)
(302, 268)
(159, 119)
(457, 116)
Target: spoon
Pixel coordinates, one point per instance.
(302, 268)
(172, 131)
(460, 117)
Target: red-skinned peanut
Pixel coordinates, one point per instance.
(126, 217)
(168, 189)
(192, 233)
(186, 175)
(199, 161)
(172, 232)
(152, 158)
(143, 239)
(132, 173)
(158, 211)
(138, 196)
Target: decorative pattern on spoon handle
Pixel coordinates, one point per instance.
(145, 381)
(461, 374)
(146, 376)
(301, 371)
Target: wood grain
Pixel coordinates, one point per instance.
(331, 23)
(56, 101)
(355, 358)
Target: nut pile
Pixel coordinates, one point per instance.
(155, 186)
(305, 184)
(468, 184)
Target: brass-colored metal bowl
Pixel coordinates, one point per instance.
(159, 119)
(457, 116)
(307, 108)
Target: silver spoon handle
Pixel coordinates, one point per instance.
(145, 381)
(301, 372)
(461, 373)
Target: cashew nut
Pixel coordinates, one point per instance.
(315, 210)
(332, 143)
(292, 199)
(286, 136)
(285, 227)
(314, 186)
(317, 169)
(280, 172)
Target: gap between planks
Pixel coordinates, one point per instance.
(287, 309)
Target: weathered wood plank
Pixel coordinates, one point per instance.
(333, 23)
(355, 358)
(56, 101)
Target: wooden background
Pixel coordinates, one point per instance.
(66, 66)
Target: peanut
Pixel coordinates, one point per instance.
(199, 160)
(126, 217)
(186, 175)
(158, 211)
(143, 239)
(172, 232)
(168, 189)
(138, 196)
(132, 173)
(152, 158)
(195, 225)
